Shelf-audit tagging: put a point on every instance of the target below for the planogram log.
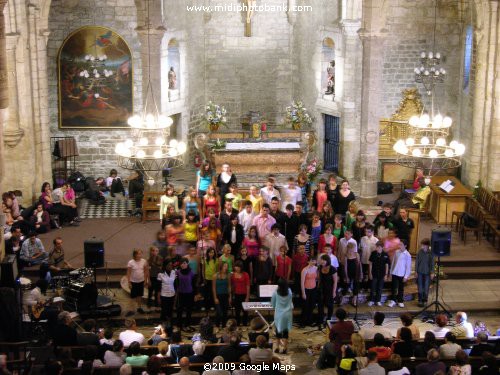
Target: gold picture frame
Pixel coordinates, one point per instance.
(95, 80)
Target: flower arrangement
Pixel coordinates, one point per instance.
(215, 116)
(312, 169)
(297, 116)
(218, 145)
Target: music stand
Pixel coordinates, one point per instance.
(266, 291)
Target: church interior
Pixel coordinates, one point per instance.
(328, 128)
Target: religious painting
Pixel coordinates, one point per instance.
(95, 80)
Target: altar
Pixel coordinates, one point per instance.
(261, 157)
(278, 151)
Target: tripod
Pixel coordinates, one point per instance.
(438, 307)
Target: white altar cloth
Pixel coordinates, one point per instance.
(245, 146)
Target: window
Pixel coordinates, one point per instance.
(469, 38)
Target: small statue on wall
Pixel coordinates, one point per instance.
(330, 85)
(172, 79)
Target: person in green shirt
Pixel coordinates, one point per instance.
(237, 198)
(135, 358)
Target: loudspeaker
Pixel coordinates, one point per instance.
(441, 242)
(8, 271)
(94, 253)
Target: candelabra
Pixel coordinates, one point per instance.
(429, 72)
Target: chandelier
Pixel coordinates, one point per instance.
(427, 145)
(149, 149)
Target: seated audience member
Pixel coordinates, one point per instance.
(135, 358)
(184, 365)
(489, 365)
(88, 336)
(441, 322)
(106, 337)
(261, 354)
(257, 328)
(217, 361)
(462, 328)
(64, 334)
(245, 360)
(198, 356)
(153, 367)
(395, 366)
(429, 343)
(232, 352)
(230, 329)
(432, 365)
(159, 335)
(450, 347)
(32, 251)
(383, 352)
(56, 257)
(163, 348)
(404, 347)
(130, 334)
(407, 320)
(341, 331)
(63, 354)
(126, 369)
(40, 219)
(95, 190)
(114, 183)
(14, 244)
(52, 367)
(369, 333)
(347, 364)
(461, 367)
(177, 348)
(482, 345)
(373, 368)
(207, 334)
(90, 358)
(115, 356)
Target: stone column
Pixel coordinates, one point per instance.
(151, 65)
(493, 172)
(371, 94)
(13, 131)
(351, 101)
(3, 86)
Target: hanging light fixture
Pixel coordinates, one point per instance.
(149, 149)
(427, 145)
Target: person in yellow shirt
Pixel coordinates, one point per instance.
(420, 197)
(255, 198)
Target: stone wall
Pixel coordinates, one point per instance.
(96, 147)
(410, 31)
(249, 73)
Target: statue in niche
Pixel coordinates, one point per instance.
(330, 85)
(172, 79)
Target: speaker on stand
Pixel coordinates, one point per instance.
(440, 246)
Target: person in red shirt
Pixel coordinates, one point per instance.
(283, 265)
(299, 262)
(332, 351)
(327, 238)
(383, 351)
(419, 173)
(240, 285)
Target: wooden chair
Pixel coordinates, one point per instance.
(150, 203)
(464, 229)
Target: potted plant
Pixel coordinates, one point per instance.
(312, 169)
(215, 115)
(297, 115)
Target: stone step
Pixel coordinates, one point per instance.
(472, 272)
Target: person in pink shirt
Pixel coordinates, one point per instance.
(252, 242)
(320, 196)
(391, 243)
(264, 221)
(309, 291)
(283, 265)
